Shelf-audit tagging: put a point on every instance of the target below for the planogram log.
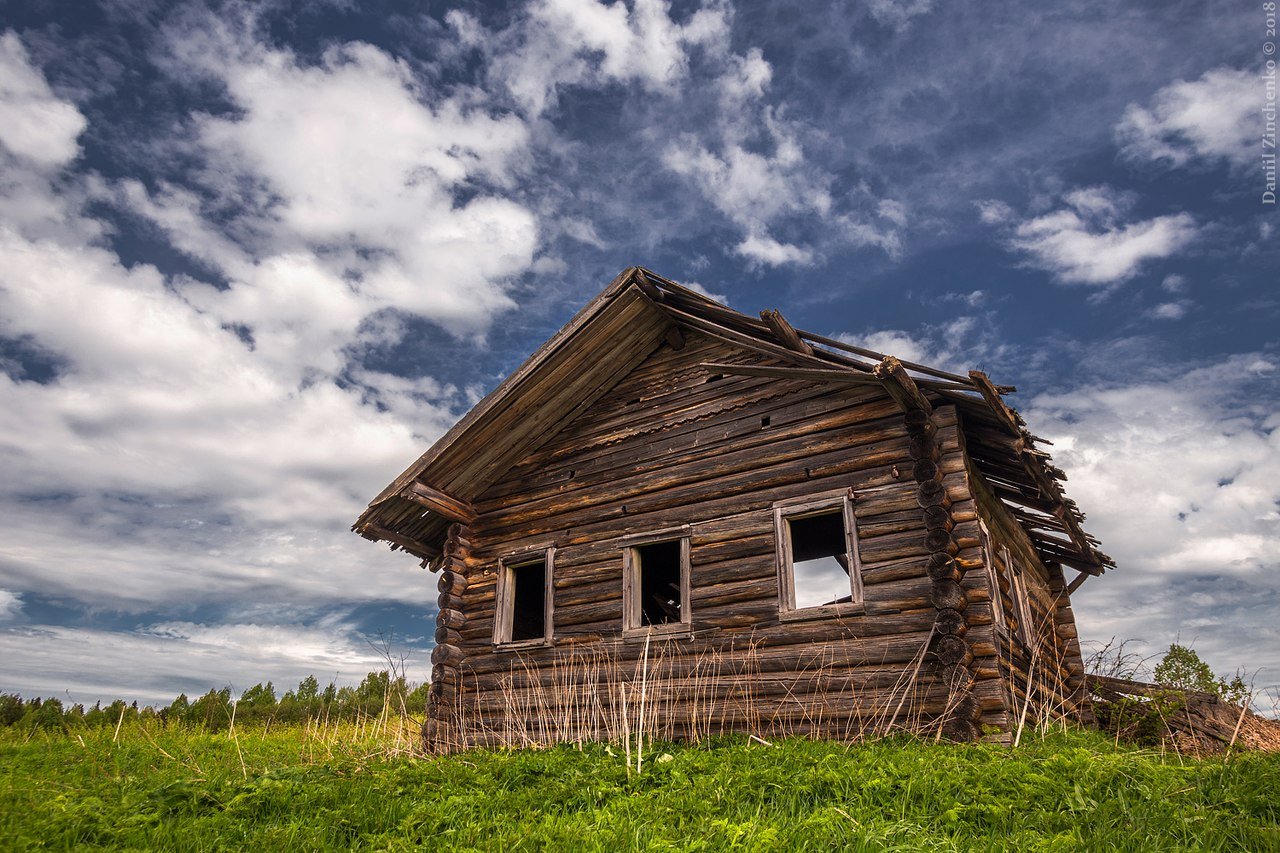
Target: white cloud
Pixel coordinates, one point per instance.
(698, 288)
(556, 44)
(1215, 118)
(10, 605)
(1180, 474)
(1087, 241)
(362, 167)
(1174, 283)
(1171, 310)
(35, 124)
(756, 189)
(898, 13)
(955, 345)
(206, 443)
(763, 249)
(994, 212)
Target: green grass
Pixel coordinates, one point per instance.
(183, 790)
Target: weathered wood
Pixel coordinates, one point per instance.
(901, 386)
(784, 331)
(437, 501)
(951, 621)
(451, 618)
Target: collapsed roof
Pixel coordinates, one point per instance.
(618, 329)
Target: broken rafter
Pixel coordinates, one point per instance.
(1006, 416)
(901, 387)
(438, 502)
(377, 532)
(784, 331)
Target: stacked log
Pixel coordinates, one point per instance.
(1203, 722)
(949, 651)
(448, 655)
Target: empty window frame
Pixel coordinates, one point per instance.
(819, 571)
(1021, 600)
(524, 598)
(993, 575)
(655, 585)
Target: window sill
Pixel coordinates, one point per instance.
(826, 611)
(671, 630)
(517, 645)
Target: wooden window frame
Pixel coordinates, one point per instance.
(783, 512)
(632, 611)
(1018, 585)
(504, 613)
(998, 620)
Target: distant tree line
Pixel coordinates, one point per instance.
(379, 692)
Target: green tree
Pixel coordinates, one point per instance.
(1182, 668)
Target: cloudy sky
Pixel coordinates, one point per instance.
(255, 258)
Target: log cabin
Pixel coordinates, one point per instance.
(681, 520)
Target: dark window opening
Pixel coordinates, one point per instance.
(658, 570)
(528, 601)
(764, 422)
(820, 559)
(715, 377)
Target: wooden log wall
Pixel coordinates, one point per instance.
(673, 446)
(1041, 663)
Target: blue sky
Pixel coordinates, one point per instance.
(255, 258)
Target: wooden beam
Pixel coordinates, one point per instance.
(802, 374)
(966, 384)
(437, 501)
(675, 337)
(1075, 584)
(1006, 416)
(784, 331)
(901, 387)
(646, 285)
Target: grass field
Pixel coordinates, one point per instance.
(298, 788)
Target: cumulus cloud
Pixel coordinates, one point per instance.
(1179, 470)
(35, 124)
(1088, 241)
(363, 169)
(200, 442)
(1216, 118)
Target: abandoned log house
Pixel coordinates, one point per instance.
(678, 518)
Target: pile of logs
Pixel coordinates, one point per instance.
(1189, 720)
